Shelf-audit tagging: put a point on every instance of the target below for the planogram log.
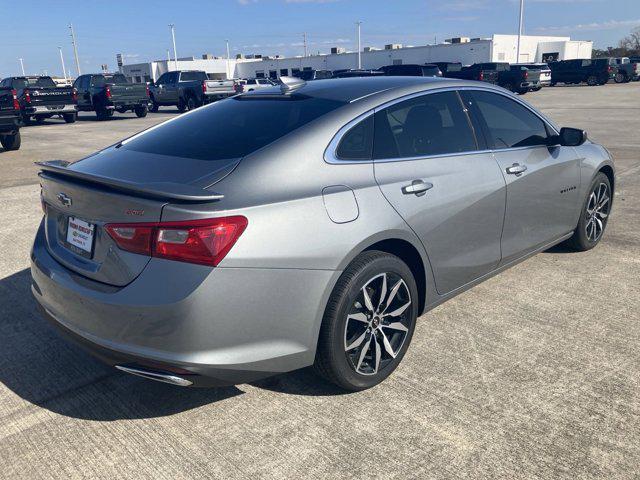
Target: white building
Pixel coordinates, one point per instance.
(498, 48)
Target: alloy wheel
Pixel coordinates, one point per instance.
(597, 212)
(378, 323)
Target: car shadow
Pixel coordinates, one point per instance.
(40, 367)
(560, 248)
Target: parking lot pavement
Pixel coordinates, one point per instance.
(532, 374)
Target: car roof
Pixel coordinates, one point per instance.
(350, 89)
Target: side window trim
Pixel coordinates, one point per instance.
(330, 151)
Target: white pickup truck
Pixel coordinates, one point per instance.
(217, 89)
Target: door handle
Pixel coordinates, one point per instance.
(516, 169)
(417, 187)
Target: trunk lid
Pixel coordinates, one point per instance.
(90, 206)
(51, 97)
(128, 92)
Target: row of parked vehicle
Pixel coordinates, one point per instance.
(519, 78)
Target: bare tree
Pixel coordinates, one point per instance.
(631, 43)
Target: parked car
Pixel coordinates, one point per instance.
(481, 72)
(40, 98)
(251, 84)
(188, 89)
(626, 70)
(308, 75)
(105, 93)
(10, 119)
(518, 79)
(253, 236)
(545, 73)
(592, 72)
(349, 73)
(411, 70)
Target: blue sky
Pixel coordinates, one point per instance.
(139, 30)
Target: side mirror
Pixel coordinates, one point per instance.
(572, 137)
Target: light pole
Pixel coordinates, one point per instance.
(64, 70)
(75, 48)
(304, 41)
(228, 60)
(358, 24)
(22, 66)
(520, 30)
(175, 52)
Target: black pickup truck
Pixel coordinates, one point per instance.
(40, 98)
(516, 78)
(188, 89)
(471, 72)
(592, 72)
(411, 70)
(105, 93)
(9, 119)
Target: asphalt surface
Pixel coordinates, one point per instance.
(532, 374)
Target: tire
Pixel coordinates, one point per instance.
(103, 114)
(592, 80)
(154, 105)
(182, 106)
(70, 117)
(599, 194)
(141, 111)
(349, 353)
(509, 87)
(620, 78)
(11, 142)
(192, 104)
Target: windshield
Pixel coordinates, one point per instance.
(232, 128)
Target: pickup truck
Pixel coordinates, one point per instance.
(470, 72)
(105, 93)
(188, 89)
(592, 72)
(9, 119)
(411, 70)
(40, 98)
(250, 84)
(545, 73)
(627, 69)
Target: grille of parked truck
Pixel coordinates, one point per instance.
(106, 93)
(40, 98)
(9, 119)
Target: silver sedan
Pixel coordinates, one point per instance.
(306, 224)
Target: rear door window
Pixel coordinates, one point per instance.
(357, 143)
(190, 76)
(232, 128)
(508, 123)
(432, 124)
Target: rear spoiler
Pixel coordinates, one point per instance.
(161, 190)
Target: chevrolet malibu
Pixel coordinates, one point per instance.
(306, 224)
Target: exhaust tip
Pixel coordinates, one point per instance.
(155, 375)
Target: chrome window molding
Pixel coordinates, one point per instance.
(330, 152)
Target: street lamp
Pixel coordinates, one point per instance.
(175, 53)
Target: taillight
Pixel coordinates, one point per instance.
(481, 75)
(635, 67)
(204, 87)
(609, 68)
(238, 87)
(205, 242)
(16, 104)
(147, 89)
(107, 92)
(74, 95)
(525, 74)
(27, 96)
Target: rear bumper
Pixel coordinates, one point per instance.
(223, 326)
(126, 104)
(50, 109)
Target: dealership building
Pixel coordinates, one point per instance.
(498, 48)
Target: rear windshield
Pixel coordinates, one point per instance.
(42, 82)
(116, 79)
(232, 128)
